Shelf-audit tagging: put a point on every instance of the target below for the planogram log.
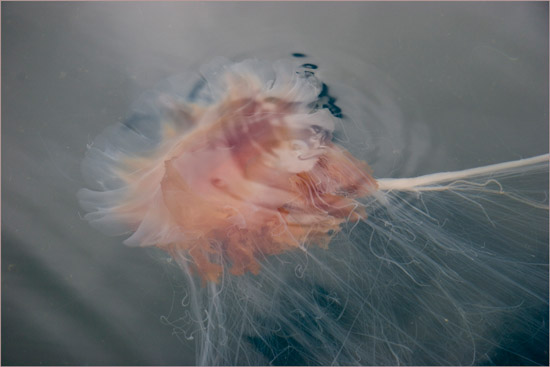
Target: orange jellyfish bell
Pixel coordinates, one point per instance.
(241, 167)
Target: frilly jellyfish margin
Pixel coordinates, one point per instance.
(294, 253)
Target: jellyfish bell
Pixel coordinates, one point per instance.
(294, 253)
(252, 173)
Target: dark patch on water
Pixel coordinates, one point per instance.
(325, 100)
(310, 66)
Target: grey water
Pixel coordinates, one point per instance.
(466, 86)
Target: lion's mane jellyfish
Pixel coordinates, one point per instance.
(295, 254)
(250, 174)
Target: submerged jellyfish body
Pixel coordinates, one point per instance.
(251, 174)
(294, 253)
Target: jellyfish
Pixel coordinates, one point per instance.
(295, 253)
